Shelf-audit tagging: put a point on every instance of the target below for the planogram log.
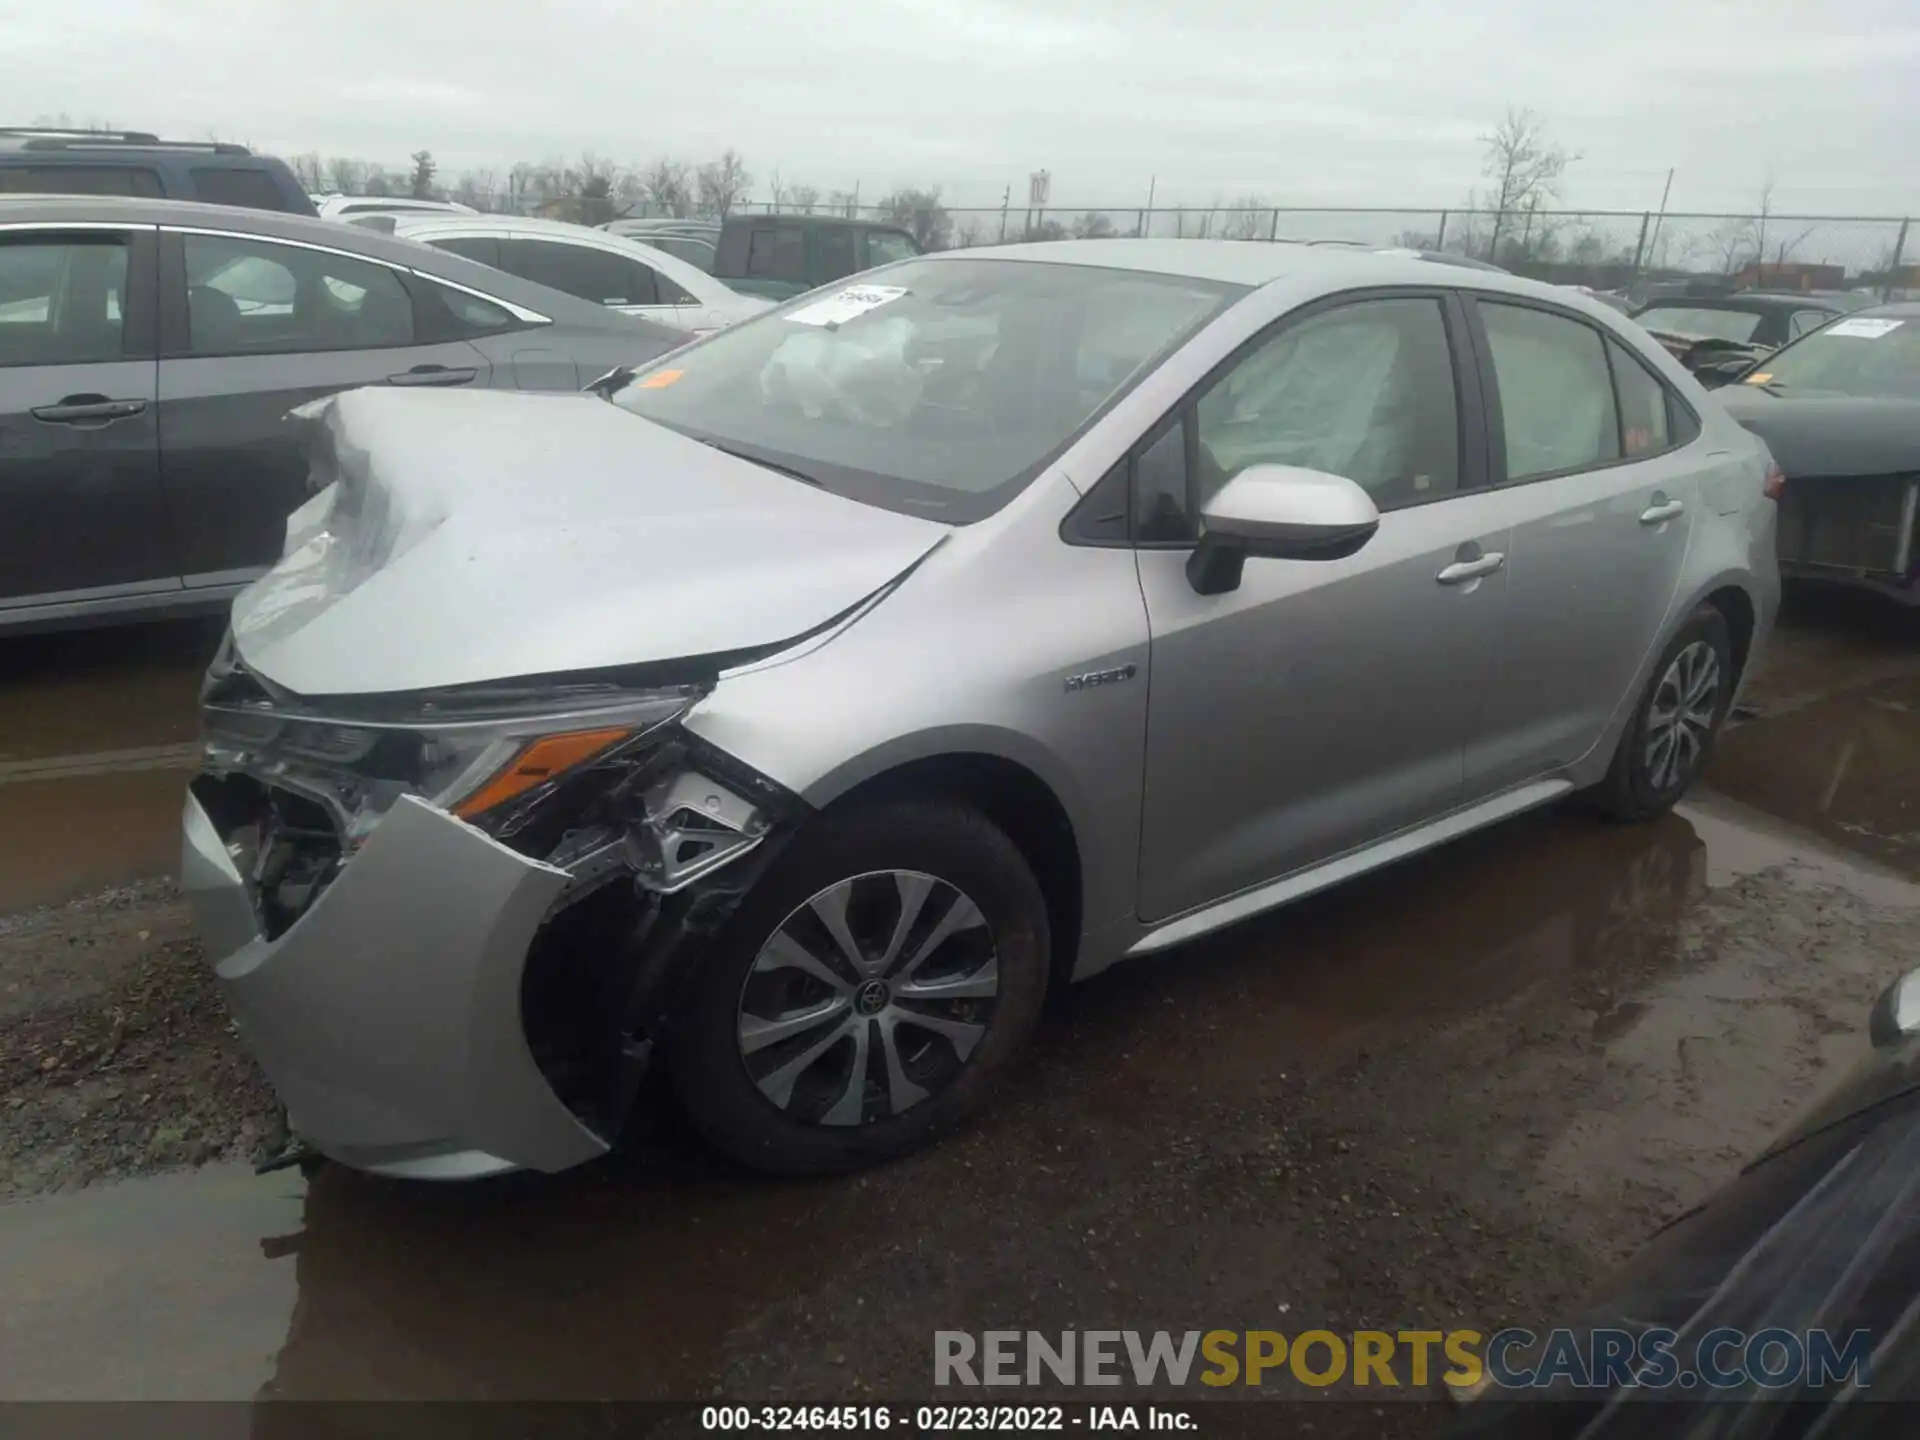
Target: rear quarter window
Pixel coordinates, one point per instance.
(237, 185)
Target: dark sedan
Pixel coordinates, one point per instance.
(150, 351)
(1785, 1308)
(1716, 336)
(1840, 409)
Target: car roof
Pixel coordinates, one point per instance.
(788, 217)
(1751, 301)
(1258, 262)
(40, 140)
(310, 230)
(1898, 310)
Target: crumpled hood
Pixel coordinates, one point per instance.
(1814, 435)
(471, 537)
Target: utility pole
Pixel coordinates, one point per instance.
(1006, 199)
(1653, 240)
(1893, 265)
(1146, 215)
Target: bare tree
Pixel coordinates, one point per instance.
(668, 187)
(843, 202)
(629, 191)
(921, 212)
(1248, 218)
(776, 193)
(722, 182)
(1525, 167)
(803, 198)
(1093, 225)
(310, 172)
(346, 176)
(476, 188)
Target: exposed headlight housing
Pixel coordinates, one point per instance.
(475, 755)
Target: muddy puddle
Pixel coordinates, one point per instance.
(96, 741)
(1589, 1023)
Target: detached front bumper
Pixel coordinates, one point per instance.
(388, 1016)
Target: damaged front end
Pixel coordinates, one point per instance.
(452, 925)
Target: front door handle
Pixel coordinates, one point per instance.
(1461, 571)
(88, 409)
(434, 375)
(1661, 509)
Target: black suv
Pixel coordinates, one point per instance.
(37, 161)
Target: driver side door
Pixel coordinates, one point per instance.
(1322, 704)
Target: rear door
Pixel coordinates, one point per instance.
(82, 513)
(1602, 502)
(251, 328)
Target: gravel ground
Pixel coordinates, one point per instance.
(116, 1054)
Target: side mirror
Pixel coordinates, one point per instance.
(1278, 512)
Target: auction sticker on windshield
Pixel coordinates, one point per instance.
(1862, 327)
(848, 304)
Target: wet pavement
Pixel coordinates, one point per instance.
(1453, 1092)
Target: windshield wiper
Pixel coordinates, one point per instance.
(615, 379)
(773, 465)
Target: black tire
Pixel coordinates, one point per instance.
(957, 847)
(1632, 790)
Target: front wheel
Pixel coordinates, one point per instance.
(872, 991)
(1665, 746)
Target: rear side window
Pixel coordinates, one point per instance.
(62, 301)
(484, 248)
(252, 296)
(1556, 396)
(582, 271)
(670, 293)
(445, 313)
(1643, 405)
(778, 253)
(233, 185)
(79, 180)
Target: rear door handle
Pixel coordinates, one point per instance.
(1661, 510)
(434, 375)
(82, 409)
(1461, 571)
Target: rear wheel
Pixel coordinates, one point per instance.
(869, 995)
(1665, 747)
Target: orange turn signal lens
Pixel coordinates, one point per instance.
(537, 764)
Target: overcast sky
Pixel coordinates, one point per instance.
(1355, 101)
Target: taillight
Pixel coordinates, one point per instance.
(1775, 483)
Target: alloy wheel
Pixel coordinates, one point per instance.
(1681, 715)
(868, 998)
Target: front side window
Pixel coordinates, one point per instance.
(1556, 397)
(1364, 390)
(886, 246)
(253, 296)
(1643, 404)
(1701, 322)
(62, 300)
(940, 392)
(1869, 356)
(1805, 320)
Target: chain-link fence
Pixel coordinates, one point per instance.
(1606, 249)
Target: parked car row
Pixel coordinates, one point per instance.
(151, 350)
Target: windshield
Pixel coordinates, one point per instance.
(1698, 320)
(936, 387)
(1869, 356)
